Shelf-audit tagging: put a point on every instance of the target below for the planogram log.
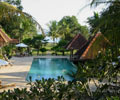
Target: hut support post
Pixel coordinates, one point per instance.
(71, 54)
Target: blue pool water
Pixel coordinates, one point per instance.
(51, 68)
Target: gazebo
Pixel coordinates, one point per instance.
(75, 44)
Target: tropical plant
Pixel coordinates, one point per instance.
(16, 23)
(38, 42)
(53, 28)
(94, 22)
(16, 3)
(43, 50)
(28, 41)
(108, 24)
(57, 90)
(103, 71)
(8, 50)
(69, 27)
(60, 47)
(98, 2)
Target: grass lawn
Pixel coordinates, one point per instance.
(49, 51)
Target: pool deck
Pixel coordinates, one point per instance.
(18, 72)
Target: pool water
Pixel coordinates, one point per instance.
(51, 68)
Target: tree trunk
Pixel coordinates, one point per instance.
(63, 53)
(37, 52)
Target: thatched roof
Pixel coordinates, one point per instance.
(4, 38)
(81, 50)
(77, 42)
(98, 43)
(14, 41)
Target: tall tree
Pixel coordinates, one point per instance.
(109, 24)
(69, 27)
(98, 2)
(94, 22)
(53, 28)
(16, 3)
(17, 23)
(37, 42)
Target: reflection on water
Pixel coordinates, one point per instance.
(51, 68)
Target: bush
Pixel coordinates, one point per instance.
(56, 90)
(43, 50)
(47, 90)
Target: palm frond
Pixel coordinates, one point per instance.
(39, 26)
(7, 11)
(98, 2)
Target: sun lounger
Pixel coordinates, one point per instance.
(3, 62)
(7, 85)
(7, 60)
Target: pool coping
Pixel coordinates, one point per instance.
(52, 57)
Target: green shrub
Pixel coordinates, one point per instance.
(56, 90)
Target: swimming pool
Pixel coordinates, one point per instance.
(51, 68)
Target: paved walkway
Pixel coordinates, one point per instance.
(18, 72)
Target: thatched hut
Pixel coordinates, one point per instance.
(90, 50)
(5, 39)
(76, 43)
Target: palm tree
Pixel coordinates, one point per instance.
(108, 23)
(94, 22)
(53, 28)
(97, 2)
(8, 12)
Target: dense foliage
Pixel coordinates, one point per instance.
(61, 90)
(38, 42)
(107, 2)
(66, 28)
(16, 23)
(16, 3)
(69, 27)
(108, 23)
(60, 47)
(48, 90)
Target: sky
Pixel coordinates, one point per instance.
(45, 11)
